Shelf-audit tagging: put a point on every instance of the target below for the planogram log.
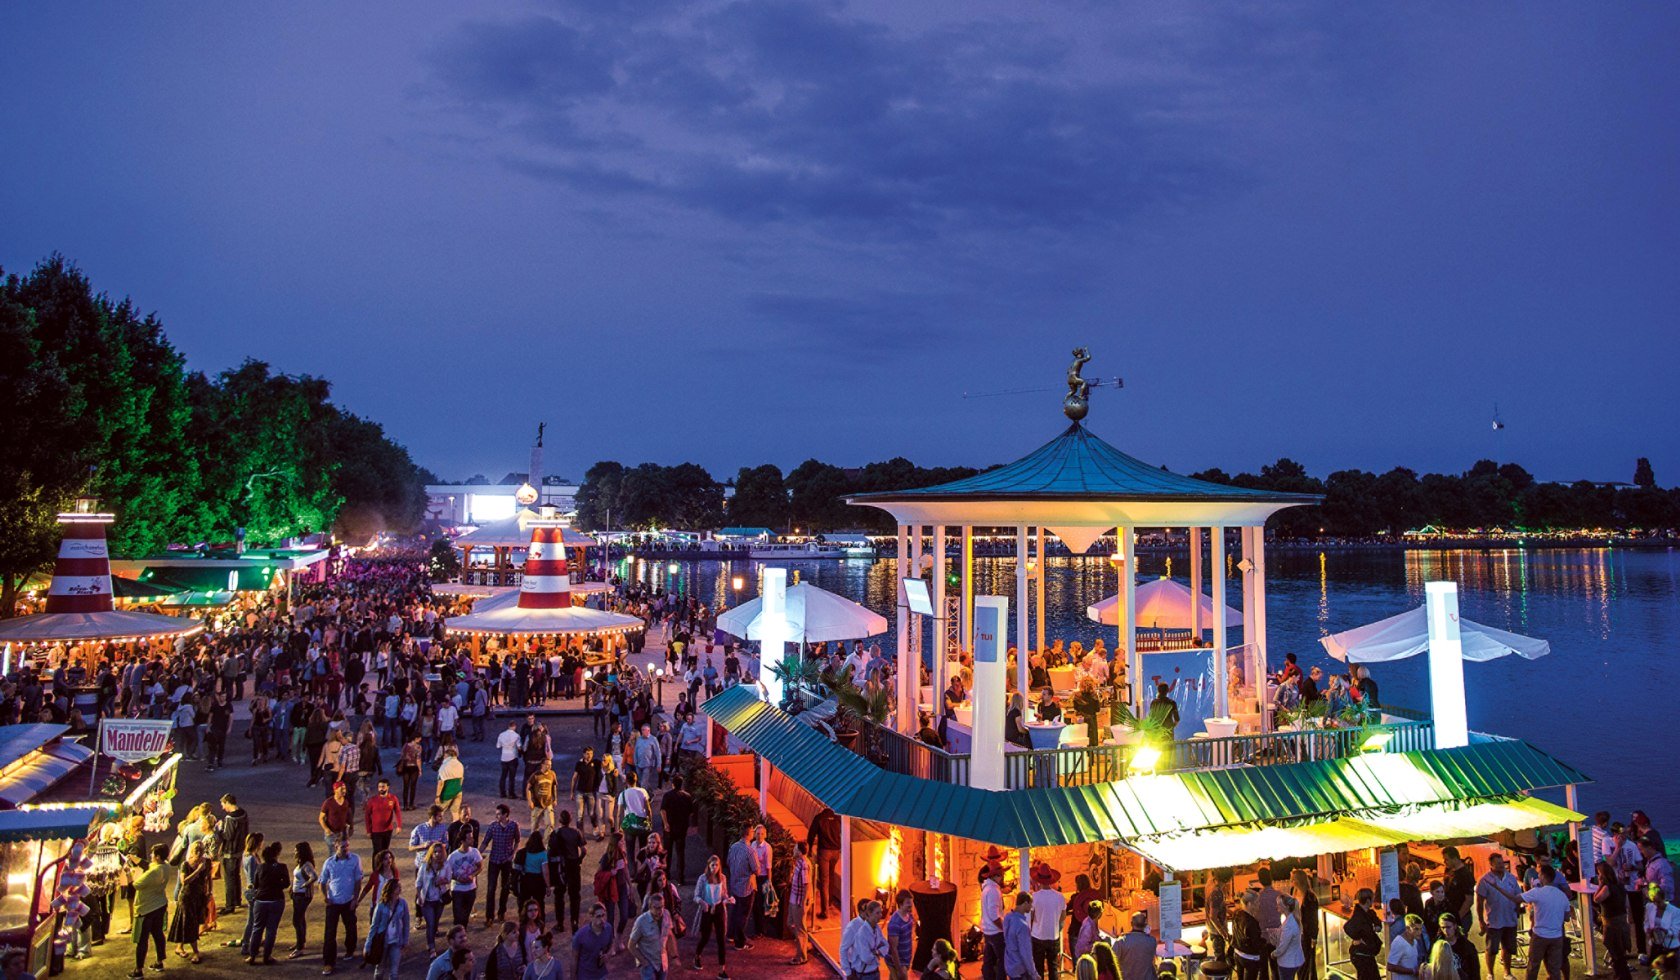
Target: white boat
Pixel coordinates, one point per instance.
(803, 551)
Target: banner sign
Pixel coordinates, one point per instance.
(1389, 874)
(134, 739)
(1172, 911)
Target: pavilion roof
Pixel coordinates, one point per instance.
(1077, 465)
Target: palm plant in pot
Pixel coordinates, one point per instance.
(799, 674)
(863, 710)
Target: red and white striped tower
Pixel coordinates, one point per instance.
(547, 583)
(81, 581)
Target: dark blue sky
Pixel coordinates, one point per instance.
(748, 232)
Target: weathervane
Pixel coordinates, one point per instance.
(1077, 402)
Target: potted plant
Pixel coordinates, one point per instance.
(799, 673)
(864, 710)
(1149, 727)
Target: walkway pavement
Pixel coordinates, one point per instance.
(282, 807)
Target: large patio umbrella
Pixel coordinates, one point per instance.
(1162, 604)
(1407, 635)
(79, 600)
(543, 603)
(814, 616)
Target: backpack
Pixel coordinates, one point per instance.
(606, 886)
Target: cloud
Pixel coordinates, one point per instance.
(809, 113)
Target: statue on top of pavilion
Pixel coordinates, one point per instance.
(1077, 402)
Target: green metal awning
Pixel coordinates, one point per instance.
(209, 580)
(134, 589)
(1138, 806)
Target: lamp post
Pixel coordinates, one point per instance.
(659, 688)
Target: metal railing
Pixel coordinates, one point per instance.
(900, 753)
(1081, 765)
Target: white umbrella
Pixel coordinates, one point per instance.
(1407, 635)
(564, 621)
(814, 616)
(1161, 604)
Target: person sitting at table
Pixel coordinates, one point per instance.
(1039, 674)
(1014, 723)
(1164, 709)
(955, 695)
(1057, 657)
(927, 735)
(1049, 709)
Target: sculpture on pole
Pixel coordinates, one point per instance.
(1077, 402)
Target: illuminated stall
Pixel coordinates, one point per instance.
(35, 845)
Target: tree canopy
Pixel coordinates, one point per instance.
(94, 400)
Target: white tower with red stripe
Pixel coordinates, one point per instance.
(547, 581)
(81, 581)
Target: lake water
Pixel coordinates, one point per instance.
(1604, 701)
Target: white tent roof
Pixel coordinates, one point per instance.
(511, 618)
(110, 625)
(814, 616)
(1407, 635)
(1161, 604)
(515, 532)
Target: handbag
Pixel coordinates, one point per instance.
(375, 949)
(634, 822)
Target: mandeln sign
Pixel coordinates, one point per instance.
(134, 739)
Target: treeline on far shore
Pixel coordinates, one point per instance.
(1359, 507)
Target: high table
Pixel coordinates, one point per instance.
(934, 908)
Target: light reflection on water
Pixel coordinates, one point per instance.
(1598, 702)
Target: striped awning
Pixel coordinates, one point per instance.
(54, 823)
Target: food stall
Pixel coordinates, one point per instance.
(35, 845)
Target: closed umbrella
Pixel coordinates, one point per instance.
(814, 616)
(1162, 604)
(1407, 635)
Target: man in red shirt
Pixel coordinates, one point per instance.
(336, 816)
(382, 816)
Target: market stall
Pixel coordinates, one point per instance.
(42, 879)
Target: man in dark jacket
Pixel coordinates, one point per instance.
(565, 865)
(1364, 932)
(235, 827)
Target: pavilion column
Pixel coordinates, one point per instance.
(907, 677)
(846, 912)
(913, 667)
(1023, 609)
(1038, 596)
(1245, 541)
(941, 623)
(966, 633)
(1260, 599)
(1221, 681)
(1128, 610)
(1196, 582)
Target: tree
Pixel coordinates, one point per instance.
(598, 494)
(761, 498)
(694, 499)
(815, 490)
(381, 487)
(1643, 475)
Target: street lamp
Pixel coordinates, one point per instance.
(659, 690)
(736, 582)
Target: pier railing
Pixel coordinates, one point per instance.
(1083, 765)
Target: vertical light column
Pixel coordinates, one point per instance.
(846, 911)
(1128, 652)
(1023, 608)
(907, 677)
(1038, 596)
(1245, 544)
(991, 624)
(939, 624)
(772, 632)
(1446, 666)
(1221, 678)
(1261, 655)
(1196, 581)
(967, 631)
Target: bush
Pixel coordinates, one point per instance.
(732, 812)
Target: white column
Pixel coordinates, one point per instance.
(763, 785)
(1127, 653)
(1196, 581)
(846, 902)
(1245, 543)
(773, 632)
(1038, 597)
(1023, 608)
(939, 622)
(1221, 679)
(1446, 666)
(967, 631)
(907, 677)
(991, 625)
(1260, 599)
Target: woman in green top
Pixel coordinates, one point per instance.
(151, 906)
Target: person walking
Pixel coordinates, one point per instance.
(541, 793)
(862, 945)
(1549, 909)
(711, 901)
(1498, 895)
(1288, 952)
(382, 816)
(191, 902)
(799, 891)
(268, 904)
(461, 868)
(508, 747)
(566, 848)
(388, 932)
(304, 878)
(151, 907)
(676, 809)
(1612, 904)
(502, 839)
(341, 882)
(593, 943)
(742, 889)
(1049, 911)
(451, 776)
(431, 887)
(651, 943)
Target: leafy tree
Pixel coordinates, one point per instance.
(761, 498)
(598, 494)
(382, 488)
(1643, 476)
(815, 491)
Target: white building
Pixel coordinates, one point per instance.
(479, 503)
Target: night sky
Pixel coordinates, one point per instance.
(749, 232)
